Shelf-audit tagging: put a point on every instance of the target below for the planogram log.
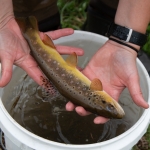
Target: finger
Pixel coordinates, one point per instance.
(6, 71)
(60, 33)
(69, 50)
(135, 91)
(70, 106)
(100, 120)
(81, 111)
(31, 68)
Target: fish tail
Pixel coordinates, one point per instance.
(27, 23)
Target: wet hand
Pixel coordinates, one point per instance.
(14, 50)
(115, 66)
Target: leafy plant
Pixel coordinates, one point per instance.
(72, 13)
(146, 47)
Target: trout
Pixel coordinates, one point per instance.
(68, 80)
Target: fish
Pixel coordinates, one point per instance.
(65, 76)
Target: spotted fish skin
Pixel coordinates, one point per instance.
(70, 82)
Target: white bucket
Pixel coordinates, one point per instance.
(18, 138)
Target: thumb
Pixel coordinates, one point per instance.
(135, 91)
(6, 71)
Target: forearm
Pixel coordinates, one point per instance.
(6, 12)
(133, 14)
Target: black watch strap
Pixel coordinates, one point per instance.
(127, 35)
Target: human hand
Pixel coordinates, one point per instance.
(115, 66)
(14, 50)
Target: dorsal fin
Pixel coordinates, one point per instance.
(96, 85)
(48, 41)
(71, 60)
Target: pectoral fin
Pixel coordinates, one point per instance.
(72, 60)
(96, 85)
(48, 41)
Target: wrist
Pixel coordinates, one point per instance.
(137, 47)
(132, 48)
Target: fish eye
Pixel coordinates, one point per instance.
(111, 106)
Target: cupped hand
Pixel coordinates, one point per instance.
(115, 66)
(15, 50)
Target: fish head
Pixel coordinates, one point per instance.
(109, 106)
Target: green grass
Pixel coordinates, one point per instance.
(72, 13)
(147, 137)
(146, 47)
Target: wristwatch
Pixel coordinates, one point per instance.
(127, 35)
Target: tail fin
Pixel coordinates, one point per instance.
(27, 23)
